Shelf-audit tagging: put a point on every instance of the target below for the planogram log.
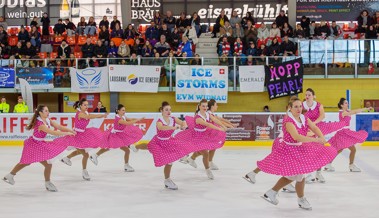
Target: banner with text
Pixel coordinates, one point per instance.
(89, 80)
(252, 78)
(370, 123)
(285, 78)
(37, 77)
(7, 77)
(125, 78)
(194, 83)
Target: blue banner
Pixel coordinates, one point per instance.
(369, 123)
(7, 77)
(37, 77)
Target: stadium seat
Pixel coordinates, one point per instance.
(12, 40)
(71, 40)
(82, 40)
(42, 55)
(53, 55)
(78, 54)
(117, 41)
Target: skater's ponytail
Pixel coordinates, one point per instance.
(79, 103)
(119, 107)
(198, 105)
(164, 104)
(33, 121)
(211, 103)
(340, 103)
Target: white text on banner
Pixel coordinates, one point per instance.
(194, 83)
(252, 78)
(134, 78)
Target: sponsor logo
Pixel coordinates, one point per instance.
(132, 79)
(88, 78)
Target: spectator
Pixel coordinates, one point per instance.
(4, 107)
(185, 47)
(335, 30)
(238, 47)
(288, 48)
(247, 18)
(364, 21)
(305, 23)
(157, 19)
(274, 31)
(281, 19)
(81, 26)
(223, 60)
(175, 36)
(30, 51)
(263, 32)
(45, 20)
(88, 49)
(274, 49)
(225, 47)
(3, 37)
(170, 21)
(70, 27)
(196, 60)
(17, 50)
(184, 60)
(162, 47)
(182, 22)
(117, 32)
(123, 50)
(152, 33)
(23, 36)
(235, 19)
(262, 52)
(195, 23)
(323, 31)
(226, 29)
(191, 35)
(147, 50)
(91, 27)
(114, 22)
(251, 33)
(58, 71)
(371, 33)
(220, 22)
(35, 37)
(287, 30)
(369, 109)
(100, 51)
(133, 59)
(252, 50)
(104, 22)
(299, 32)
(375, 20)
(312, 30)
(23, 62)
(166, 32)
(104, 35)
(157, 60)
(112, 52)
(59, 28)
(130, 32)
(20, 107)
(3, 22)
(64, 50)
(250, 60)
(238, 31)
(34, 22)
(100, 108)
(171, 68)
(137, 47)
(266, 108)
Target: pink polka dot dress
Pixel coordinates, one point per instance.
(86, 138)
(346, 137)
(121, 135)
(291, 158)
(36, 149)
(202, 137)
(167, 148)
(313, 113)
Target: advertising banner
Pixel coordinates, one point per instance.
(194, 83)
(89, 80)
(7, 77)
(369, 123)
(285, 78)
(252, 78)
(134, 78)
(37, 77)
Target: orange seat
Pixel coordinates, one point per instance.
(117, 41)
(71, 40)
(82, 40)
(53, 55)
(14, 31)
(51, 30)
(27, 28)
(12, 40)
(42, 55)
(129, 42)
(94, 39)
(58, 39)
(78, 54)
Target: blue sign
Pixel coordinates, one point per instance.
(7, 77)
(37, 77)
(369, 123)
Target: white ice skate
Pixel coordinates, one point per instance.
(128, 168)
(183, 160)
(209, 173)
(319, 177)
(310, 179)
(93, 158)
(354, 168)
(213, 166)
(191, 162)
(169, 184)
(50, 187)
(9, 178)
(270, 196)
(329, 168)
(304, 204)
(133, 148)
(85, 175)
(66, 161)
(250, 177)
(289, 188)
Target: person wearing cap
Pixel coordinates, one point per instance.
(20, 107)
(4, 107)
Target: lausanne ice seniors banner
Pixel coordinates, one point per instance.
(37, 77)
(89, 80)
(252, 78)
(194, 83)
(7, 77)
(125, 78)
(285, 78)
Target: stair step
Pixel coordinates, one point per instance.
(214, 40)
(207, 50)
(207, 44)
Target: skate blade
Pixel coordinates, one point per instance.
(7, 181)
(247, 179)
(287, 191)
(305, 208)
(268, 200)
(170, 188)
(87, 179)
(92, 160)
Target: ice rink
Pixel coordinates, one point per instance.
(113, 193)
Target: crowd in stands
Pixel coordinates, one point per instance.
(165, 36)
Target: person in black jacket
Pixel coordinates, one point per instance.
(45, 20)
(113, 23)
(220, 21)
(182, 22)
(247, 18)
(305, 22)
(30, 51)
(23, 36)
(100, 108)
(70, 27)
(104, 22)
(87, 49)
(64, 50)
(281, 19)
(364, 21)
(100, 51)
(287, 47)
(170, 21)
(59, 28)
